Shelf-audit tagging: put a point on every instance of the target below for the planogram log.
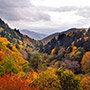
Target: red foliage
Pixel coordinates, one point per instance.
(11, 82)
(1, 53)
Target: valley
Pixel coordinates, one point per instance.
(60, 61)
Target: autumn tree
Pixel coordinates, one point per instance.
(85, 83)
(76, 55)
(68, 80)
(85, 63)
(27, 68)
(12, 82)
(35, 62)
(30, 77)
(53, 51)
(8, 66)
(48, 80)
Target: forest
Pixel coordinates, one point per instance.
(27, 64)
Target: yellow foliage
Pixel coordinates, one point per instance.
(1, 29)
(18, 59)
(68, 80)
(48, 80)
(57, 63)
(20, 46)
(85, 83)
(14, 48)
(66, 51)
(67, 73)
(31, 76)
(21, 74)
(11, 53)
(20, 42)
(74, 48)
(3, 40)
(84, 33)
(53, 51)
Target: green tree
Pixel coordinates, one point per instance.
(8, 66)
(35, 62)
(47, 80)
(68, 80)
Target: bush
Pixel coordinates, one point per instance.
(68, 80)
(48, 80)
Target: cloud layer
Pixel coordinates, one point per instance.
(45, 16)
(21, 9)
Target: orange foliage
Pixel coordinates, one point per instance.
(80, 38)
(1, 53)
(86, 38)
(12, 82)
(85, 83)
(25, 45)
(21, 46)
(53, 51)
(85, 63)
(3, 40)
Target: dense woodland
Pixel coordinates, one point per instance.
(27, 64)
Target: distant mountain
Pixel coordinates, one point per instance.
(34, 35)
(50, 37)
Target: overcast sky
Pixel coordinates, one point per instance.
(46, 16)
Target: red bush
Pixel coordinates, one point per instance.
(11, 82)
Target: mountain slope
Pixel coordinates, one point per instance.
(79, 39)
(34, 35)
(22, 42)
(48, 38)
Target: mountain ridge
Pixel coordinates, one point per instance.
(50, 37)
(32, 34)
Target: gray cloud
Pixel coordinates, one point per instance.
(21, 9)
(66, 9)
(60, 9)
(14, 3)
(84, 12)
(23, 14)
(80, 11)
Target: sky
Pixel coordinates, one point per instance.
(46, 16)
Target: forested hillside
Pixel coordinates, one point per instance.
(27, 64)
(23, 43)
(69, 49)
